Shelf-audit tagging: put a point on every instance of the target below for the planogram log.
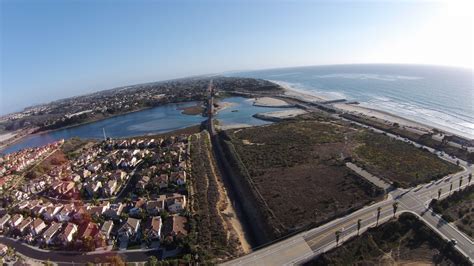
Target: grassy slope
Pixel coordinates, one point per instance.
(406, 240)
(458, 208)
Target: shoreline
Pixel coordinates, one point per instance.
(411, 124)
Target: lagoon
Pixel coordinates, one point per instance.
(156, 120)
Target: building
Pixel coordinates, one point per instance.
(67, 235)
(130, 229)
(155, 228)
(37, 226)
(106, 229)
(49, 234)
(4, 220)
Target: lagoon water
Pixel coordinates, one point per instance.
(156, 120)
(438, 96)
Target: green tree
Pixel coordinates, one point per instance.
(152, 261)
(338, 235)
(378, 215)
(395, 207)
(359, 224)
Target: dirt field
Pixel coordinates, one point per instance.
(297, 170)
(403, 242)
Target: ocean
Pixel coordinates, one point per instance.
(439, 96)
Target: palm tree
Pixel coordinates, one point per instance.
(460, 182)
(395, 207)
(359, 223)
(439, 192)
(450, 187)
(338, 234)
(378, 215)
(469, 178)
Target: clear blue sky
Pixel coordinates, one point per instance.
(55, 49)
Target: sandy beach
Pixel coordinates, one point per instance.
(290, 90)
(270, 102)
(224, 105)
(280, 115)
(413, 126)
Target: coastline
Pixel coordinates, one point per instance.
(388, 117)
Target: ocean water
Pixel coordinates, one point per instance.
(433, 95)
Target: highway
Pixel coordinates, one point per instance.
(306, 245)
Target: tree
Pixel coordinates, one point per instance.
(395, 207)
(378, 215)
(152, 261)
(460, 182)
(359, 223)
(457, 162)
(338, 235)
(450, 187)
(116, 260)
(469, 178)
(439, 192)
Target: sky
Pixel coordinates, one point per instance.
(51, 49)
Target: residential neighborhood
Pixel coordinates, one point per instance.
(113, 194)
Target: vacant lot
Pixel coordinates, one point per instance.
(398, 161)
(459, 209)
(298, 174)
(296, 168)
(403, 242)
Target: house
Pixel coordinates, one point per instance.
(114, 211)
(92, 187)
(67, 235)
(37, 226)
(142, 182)
(130, 228)
(51, 211)
(38, 209)
(52, 230)
(16, 220)
(3, 250)
(178, 177)
(64, 215)
(91, 230)
(176, 202)
(154, 231)
(110, 187)
(4, 220)
(24, 225)
(136, 210)
(154, 207)
(106, 229)
(162, 180)
(175, 227)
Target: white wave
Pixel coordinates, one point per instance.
(300, 88)
(441, 120)
(362, 76)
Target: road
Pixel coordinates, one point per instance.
(306, 245)
(72, 257)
